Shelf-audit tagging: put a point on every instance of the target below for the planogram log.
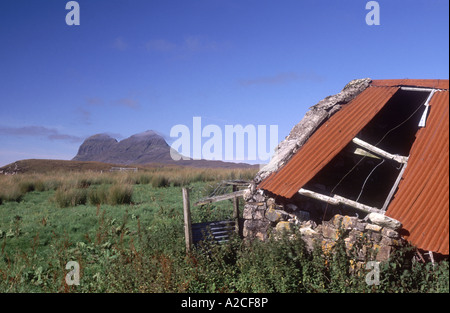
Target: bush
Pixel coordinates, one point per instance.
(144, 179)
(32, 184)
(83, 183)
(70, 196)
(26, 186)
(120, 194)
(11, 193)
(98, 195)
(160, 181)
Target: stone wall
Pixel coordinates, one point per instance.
(374, 236)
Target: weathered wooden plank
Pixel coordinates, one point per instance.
(236, 210)
(336, 199)
(232, 195)
(356, 205)
(187, 219)
(380, 152)
(394, 188)
(318, 196)
(237, 182)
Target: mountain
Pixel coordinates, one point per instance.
(146, 147)
(95, 148)
(142, 148)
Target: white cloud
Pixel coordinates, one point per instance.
(38, 131)
(128, 102)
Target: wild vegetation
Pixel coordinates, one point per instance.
(126, 232)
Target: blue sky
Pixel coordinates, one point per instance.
(131, 66)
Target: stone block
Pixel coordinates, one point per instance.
(259, 198)
(309, 242)
(330, 232)
(274, 215)
(248, 195)
(389, 233)
(386, 241)
(384, 253)
(360, 226)
(308, 231)
(253, 227)
(309, 223)
(384, 221)
(375, 237)
(247, 214)
(349, 243)
(344, 221)
(373, 227)
(261, 236)
(258, 214)
(349, 222)
(391, 241)
(283, 227)
(336, 221)
(270, 202)
(309, 236)
(252, 211)
(252, 187)
(355, 235)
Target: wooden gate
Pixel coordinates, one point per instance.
(219, 231)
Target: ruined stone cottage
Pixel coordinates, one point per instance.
(370, 162)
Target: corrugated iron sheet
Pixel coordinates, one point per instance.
(327, 142)
(422, 200)
(219, 231)
(425, 83)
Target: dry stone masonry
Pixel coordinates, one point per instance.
(376, 235)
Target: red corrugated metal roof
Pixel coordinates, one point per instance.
(327, 142)
(425, 83)
(422, 200)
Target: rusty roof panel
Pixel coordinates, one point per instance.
(425, 83)
(422, 200)
(327, 141)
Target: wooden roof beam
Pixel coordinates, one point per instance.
(335, 200)
(380, 152)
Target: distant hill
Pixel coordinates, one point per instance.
(143, 148)
(101, 152)
(47, 166)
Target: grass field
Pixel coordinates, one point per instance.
(126, 232)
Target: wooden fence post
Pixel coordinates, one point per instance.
(236, 209)
(187, 219)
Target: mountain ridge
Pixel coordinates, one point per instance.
(141, 148)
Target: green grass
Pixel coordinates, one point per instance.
(127, 235)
